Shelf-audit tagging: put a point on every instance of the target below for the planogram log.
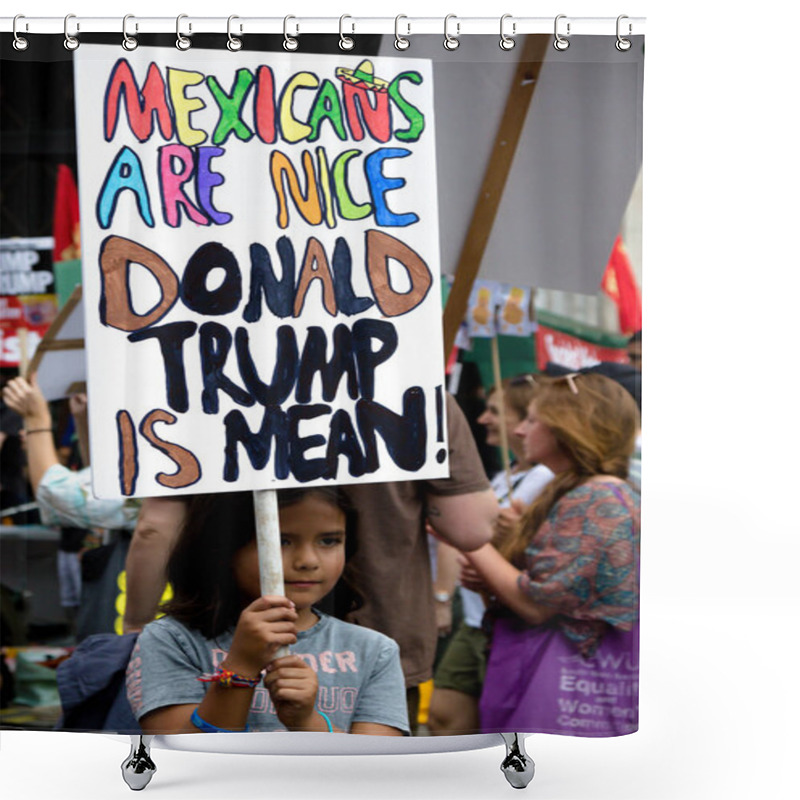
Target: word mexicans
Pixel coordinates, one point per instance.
(356, 113)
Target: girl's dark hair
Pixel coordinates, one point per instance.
(205, 594)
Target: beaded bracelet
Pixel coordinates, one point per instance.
(229, 679)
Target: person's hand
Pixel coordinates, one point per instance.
(444, 617)
(78, 405)
(470, 578)
(507, 521)
(293, 686)
(28, 401)
(267, 624)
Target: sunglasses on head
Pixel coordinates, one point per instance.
(570, 379)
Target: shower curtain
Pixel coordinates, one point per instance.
(270, 228)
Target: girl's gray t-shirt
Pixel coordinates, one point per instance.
(358, 669)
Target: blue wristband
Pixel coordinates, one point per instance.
(207, 727)
(327, 720)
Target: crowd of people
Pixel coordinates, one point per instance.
(543, 554)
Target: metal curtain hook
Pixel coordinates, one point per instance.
(20, 42)
(451, 42)
(623, 44)
(289, 42)
(70, 42)
(129, 43)
(346, 42)
(233, 44)
(401, 43)
(507, 42)
(561, 42)
(182, 42)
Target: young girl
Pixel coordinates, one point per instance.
(566, 584)
(210, 665)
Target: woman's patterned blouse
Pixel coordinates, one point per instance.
(584, 561)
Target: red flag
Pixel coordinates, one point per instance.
(619, 283)
(66, 217)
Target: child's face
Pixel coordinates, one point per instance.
(312, 542)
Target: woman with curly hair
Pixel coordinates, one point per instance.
(564, 588)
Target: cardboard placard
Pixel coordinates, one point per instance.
(261, 270)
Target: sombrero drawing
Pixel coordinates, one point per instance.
(362, 75)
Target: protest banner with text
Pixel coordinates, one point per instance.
(260, 269)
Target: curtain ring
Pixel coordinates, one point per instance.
(401, 43)
(507, 42)
(182, 42)
(346, 42)
(129, 43)
(289, 43)
(70, 42)
(561, 42)
(451, 42)
(233, 44)
(20, 42)
(623, 44)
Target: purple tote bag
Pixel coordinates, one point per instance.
(537, 682)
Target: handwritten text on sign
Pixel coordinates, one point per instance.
(260, 270)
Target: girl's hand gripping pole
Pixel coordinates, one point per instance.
(268, 539)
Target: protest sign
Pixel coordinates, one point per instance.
(574, 349)
(261, 270)
(481, 317)
(514, 306)
(27, 303)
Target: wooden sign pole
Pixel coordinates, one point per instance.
(268, 541)
(22, 339)
(501, 407)
(50, 340)
(494, 181)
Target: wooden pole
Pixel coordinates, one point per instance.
(50, 340)
(494, 181)
(501, 405)
(22, 339)
(268, 541)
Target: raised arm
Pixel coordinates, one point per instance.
(160, 520)
(29, 402)
(64, 496)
